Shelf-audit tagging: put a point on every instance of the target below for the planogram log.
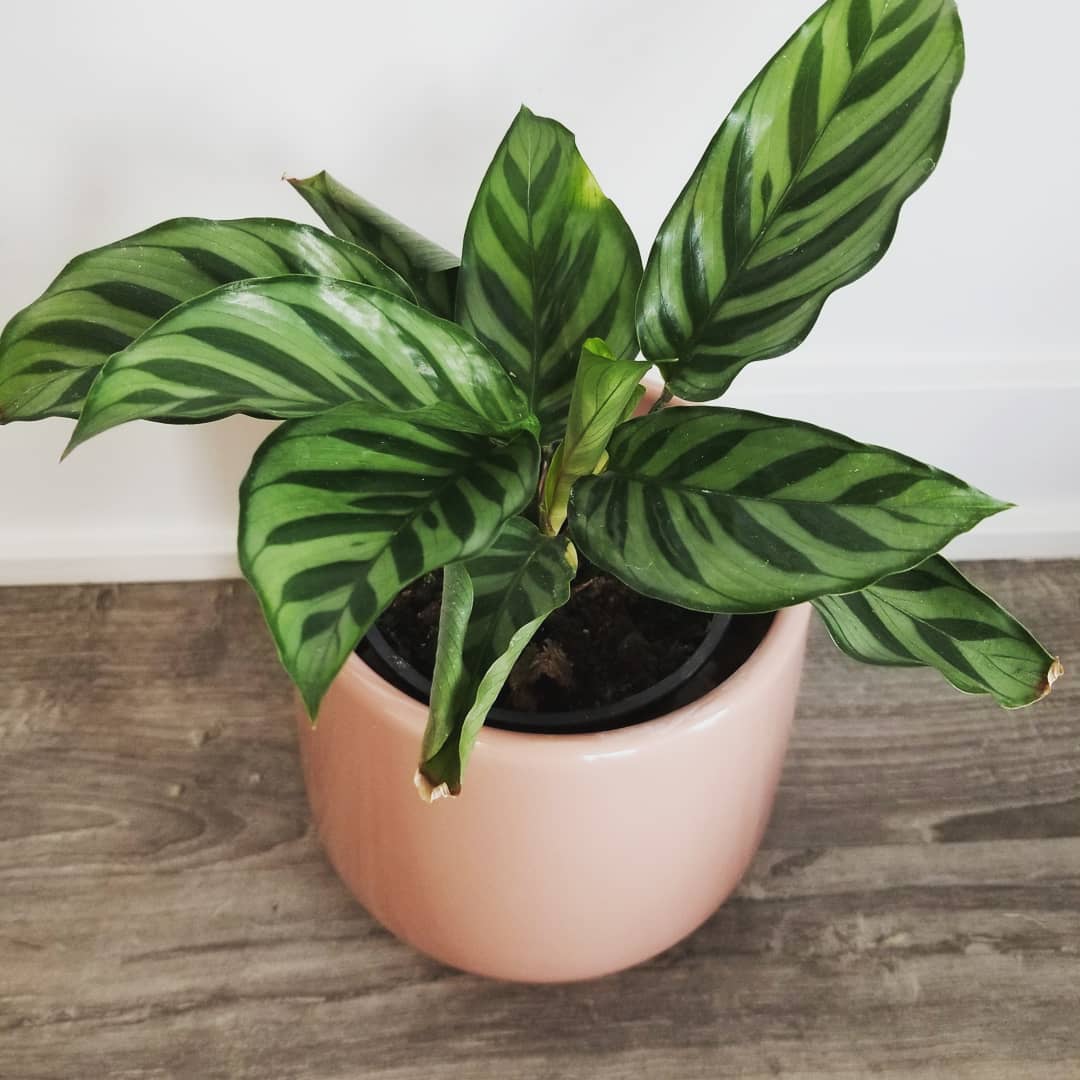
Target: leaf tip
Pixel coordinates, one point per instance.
(78, 437)
(987, 506)
(1055, 671)
(86, 427)
(598, 347)
(304, 181)
(430, 792)
(997, 506)
(571, 556)
(312, 699)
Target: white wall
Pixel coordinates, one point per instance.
(960, 348)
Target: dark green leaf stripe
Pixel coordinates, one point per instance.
(492, 606)
(723, 510)
(800, 190)
(295, 346)
(548, 262)
(51, 352)
(338, 512)
(933, 616)
(430, 270)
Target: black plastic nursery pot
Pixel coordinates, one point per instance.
(627, 658)
(644, 705)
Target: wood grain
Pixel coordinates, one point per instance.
(165, 910)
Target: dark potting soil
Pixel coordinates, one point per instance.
(607, 643)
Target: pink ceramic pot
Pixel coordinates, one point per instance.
(566, 856)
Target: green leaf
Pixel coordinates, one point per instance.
(800, 190)
(340, 511)
(51, 352)
(723, 510)
(491, 607)
(548, 262)
(295, 346)
(605, 390)
(429, 269)
(932, 616)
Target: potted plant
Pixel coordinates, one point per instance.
(484, 422)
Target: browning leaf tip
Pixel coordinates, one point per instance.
(1057, 669)
(428, 791)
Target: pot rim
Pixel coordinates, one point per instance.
(782, 641)
(572, 721)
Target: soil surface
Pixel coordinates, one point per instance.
(606, 644)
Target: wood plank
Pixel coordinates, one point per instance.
(165, 910)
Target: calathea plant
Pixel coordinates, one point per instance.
(477, 417)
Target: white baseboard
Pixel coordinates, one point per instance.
(119, 556)
(1006, 425)
(1027, 532)
(147, 558)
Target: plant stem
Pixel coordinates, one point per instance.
(663, 401)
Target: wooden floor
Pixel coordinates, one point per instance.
(165, 910)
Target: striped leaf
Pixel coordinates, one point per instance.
(932, 616)
(800, 190)
(492, 605)
(340, 511)
(431, 271)
(606, 390)
(51, 352)
(292, 347)
(723, 510)
(548, 262)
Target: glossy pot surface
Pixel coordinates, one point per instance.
(566, 856)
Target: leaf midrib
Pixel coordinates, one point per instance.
(534, 345)
(772, 214)
(656, 481)
(493, 621)
(929, 625)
